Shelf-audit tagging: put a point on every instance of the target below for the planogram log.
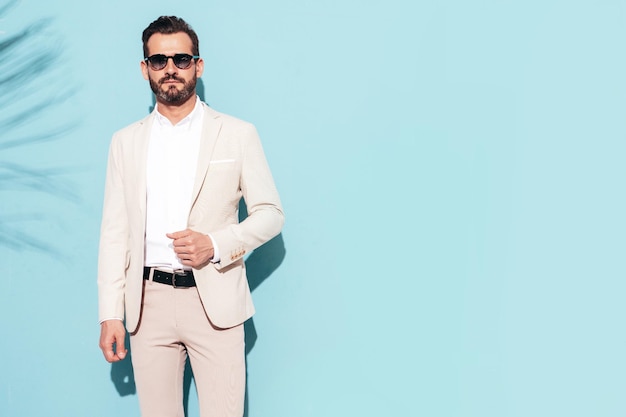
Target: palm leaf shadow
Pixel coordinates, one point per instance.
(27, 58)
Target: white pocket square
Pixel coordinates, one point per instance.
(221, 161)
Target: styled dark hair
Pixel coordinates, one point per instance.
(168, 25)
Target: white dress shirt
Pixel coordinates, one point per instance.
(171, 171)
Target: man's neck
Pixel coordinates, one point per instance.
(176, 113)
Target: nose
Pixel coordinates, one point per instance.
(170, 68)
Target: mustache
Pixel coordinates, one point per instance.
(170, 77)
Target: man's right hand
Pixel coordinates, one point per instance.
(112, 334)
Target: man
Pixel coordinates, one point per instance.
(171, 247)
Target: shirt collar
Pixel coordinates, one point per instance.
(188, 121)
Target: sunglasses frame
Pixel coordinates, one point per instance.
(175, 58)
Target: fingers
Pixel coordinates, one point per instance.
(112, 335)
(192, 248)
(120, 347)
(182, 240)
(179, 235)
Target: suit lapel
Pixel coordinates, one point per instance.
(211, 125)
(141, 158)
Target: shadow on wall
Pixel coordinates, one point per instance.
(29, 59)
(261, 263)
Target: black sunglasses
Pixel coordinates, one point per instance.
(182, 61)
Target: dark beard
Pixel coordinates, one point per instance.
(172, 95)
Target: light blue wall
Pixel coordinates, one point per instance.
(453, 178)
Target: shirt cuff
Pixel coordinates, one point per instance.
(112, 318)
(216, 251)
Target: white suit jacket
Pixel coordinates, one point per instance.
(231, 165)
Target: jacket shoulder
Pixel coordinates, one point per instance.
(133, 127)
(227, 119)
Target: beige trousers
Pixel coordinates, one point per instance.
(174, 325)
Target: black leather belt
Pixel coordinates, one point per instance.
(177, 279)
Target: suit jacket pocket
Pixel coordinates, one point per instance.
(222, 164)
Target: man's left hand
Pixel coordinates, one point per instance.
(194, 249)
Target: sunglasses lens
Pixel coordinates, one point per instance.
(182, 61)
(157, 62)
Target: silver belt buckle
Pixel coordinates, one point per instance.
(174, 273)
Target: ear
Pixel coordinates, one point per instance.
(199, 67)
(144, 69)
